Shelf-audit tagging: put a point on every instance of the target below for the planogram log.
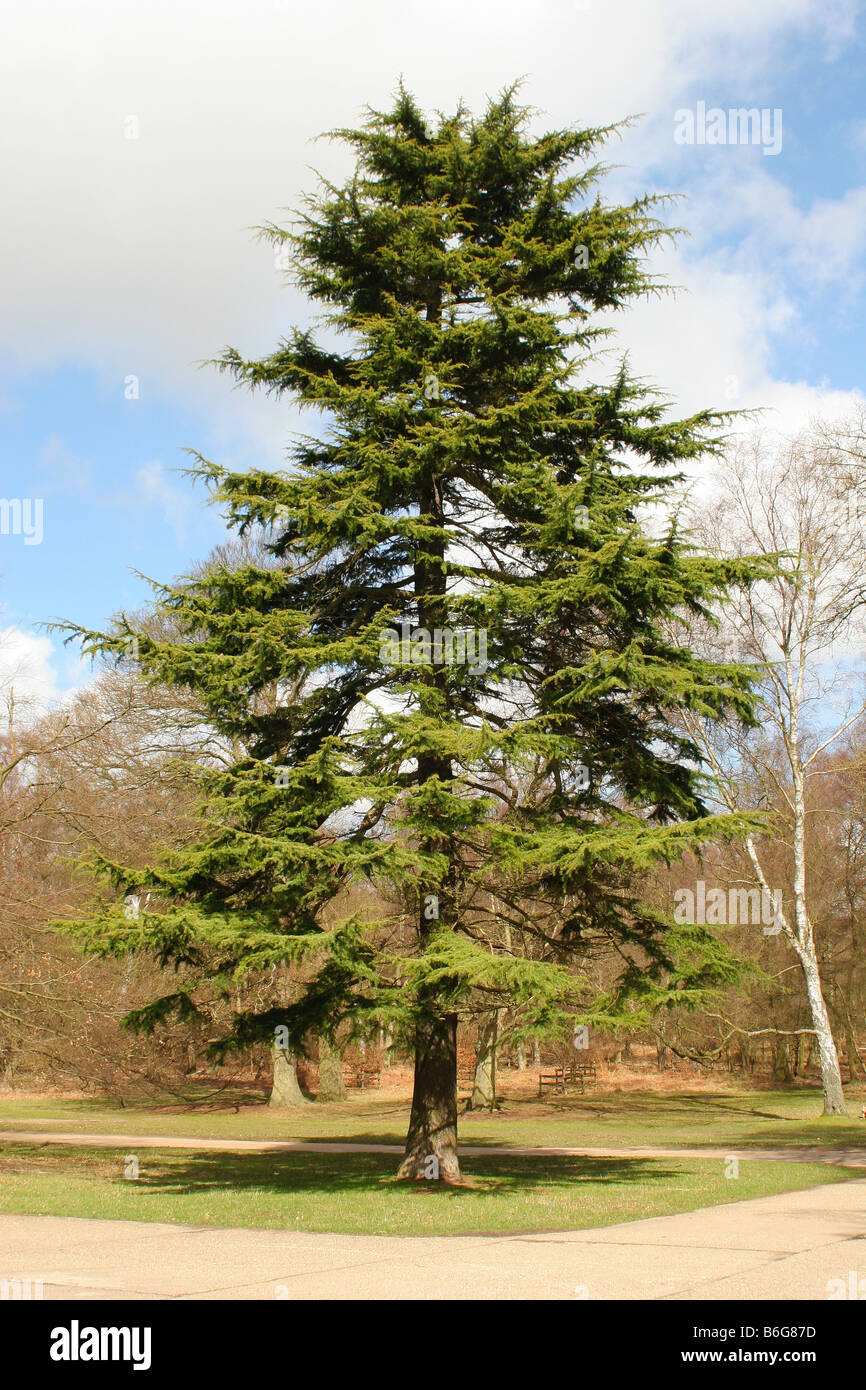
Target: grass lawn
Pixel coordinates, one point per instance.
(735, 1119)
(357, 1194)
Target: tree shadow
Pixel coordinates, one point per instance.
(662, 1108)
(335, 1174)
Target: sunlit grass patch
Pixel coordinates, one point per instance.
(358, 1193)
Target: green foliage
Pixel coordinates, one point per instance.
(468, 475)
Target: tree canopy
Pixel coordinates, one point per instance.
(452, 678)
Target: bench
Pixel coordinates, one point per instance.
(552, 1078)
(561, 1080)
(362, 1076)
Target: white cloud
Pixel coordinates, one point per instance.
(153, 489)
(765, 226)
(711, 344)
(60, 469)
(28, 677)
(133, 256)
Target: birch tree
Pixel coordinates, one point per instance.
(801, 630)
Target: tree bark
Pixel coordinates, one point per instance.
(801, 938)
(855, 1062)
(831, 1076)
(331, 1084)
(433, 1121)
(286, 1092)
(782, 1060)
(484, 1084)
(804, 945)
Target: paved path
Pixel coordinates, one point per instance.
(845, 1158)
(788, 1246)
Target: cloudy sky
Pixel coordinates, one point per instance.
(141, 142)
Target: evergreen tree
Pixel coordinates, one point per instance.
(468, 614)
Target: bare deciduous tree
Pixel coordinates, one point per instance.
(800, 631)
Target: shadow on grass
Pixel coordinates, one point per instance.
(393, 1137)
(661, 1110)
(335, 1174)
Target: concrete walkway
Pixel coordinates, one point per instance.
(787, 1246)
(843, 1158)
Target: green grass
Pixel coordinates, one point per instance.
(357, 1194)
(701, 1118)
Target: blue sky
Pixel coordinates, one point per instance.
(141, 144)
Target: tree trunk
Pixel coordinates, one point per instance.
(790, 1060)
(782, 1060)
(804, 945)
(431, 1144)
(854, 1059)
(801, 938)
(331, 1085)
(484, 1085)
(433, 1122)
(536, 1054)
(286, 1092)
(831, 1076)
(521, 1055)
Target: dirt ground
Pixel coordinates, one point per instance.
(639, 1073)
